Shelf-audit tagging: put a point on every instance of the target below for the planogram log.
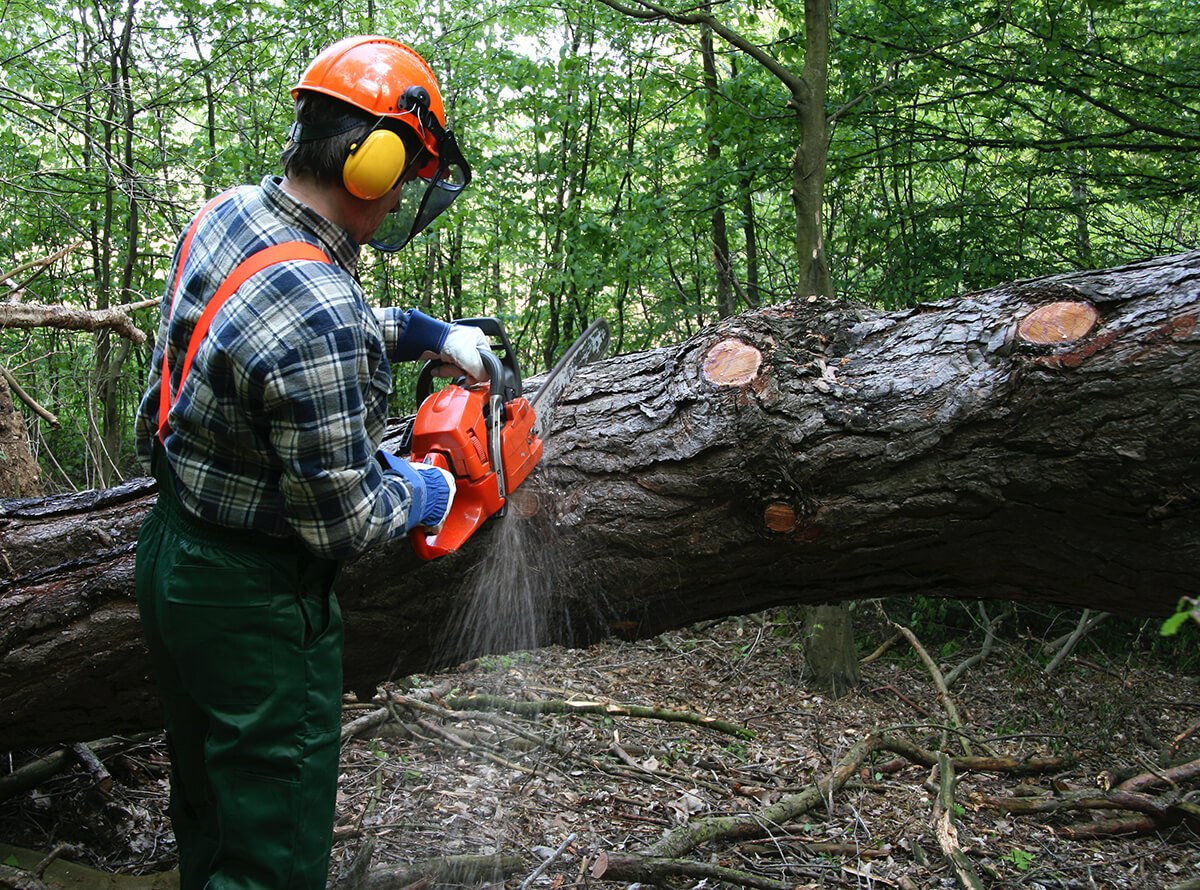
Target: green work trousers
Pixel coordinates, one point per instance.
(245, 638)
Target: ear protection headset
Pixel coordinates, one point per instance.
(377, 163)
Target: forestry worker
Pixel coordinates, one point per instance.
(261, 422)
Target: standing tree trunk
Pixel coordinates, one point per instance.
(829, 649)
(720, 237)
(1037, 441)
(20, 475)
(812, 154)
(806, 98)
(116, 164)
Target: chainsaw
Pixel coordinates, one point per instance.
(487, 435)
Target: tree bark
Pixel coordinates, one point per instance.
(20, 475)
(1037, 441)
(829, 653)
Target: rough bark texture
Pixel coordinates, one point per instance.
(20, 475)
(802, 453)
(829, 654)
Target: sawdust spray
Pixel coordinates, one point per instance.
(506, 597)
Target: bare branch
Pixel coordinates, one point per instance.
(648, 11)
(19, 392)
(38, 265)
(117, 318)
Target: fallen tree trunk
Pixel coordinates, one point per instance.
(1036, 441)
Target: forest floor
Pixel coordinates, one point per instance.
(446, 792)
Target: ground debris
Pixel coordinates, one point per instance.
(539, 796)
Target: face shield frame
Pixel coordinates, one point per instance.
(445, 176)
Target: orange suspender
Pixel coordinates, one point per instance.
(251, 265)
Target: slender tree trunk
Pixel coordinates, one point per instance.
(750, 234)
(720, 237)
(107, 426)
(811, 156)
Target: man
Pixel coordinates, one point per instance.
(266, 404)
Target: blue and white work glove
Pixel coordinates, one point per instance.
(427, 338)
(432, 488)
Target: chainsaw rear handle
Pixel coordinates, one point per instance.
(504, 371)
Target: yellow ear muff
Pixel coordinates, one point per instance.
(374, 165)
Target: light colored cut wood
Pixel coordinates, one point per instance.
(779, 517)
(1058, 323)
(731, 362)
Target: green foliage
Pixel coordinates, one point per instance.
(969, 145)
(1189, 607)
(1020, 859)
(1010, 145)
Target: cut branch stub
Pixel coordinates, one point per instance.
(779, 517)
(731, 362)
(1058, 323)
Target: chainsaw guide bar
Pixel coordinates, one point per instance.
(591, 345)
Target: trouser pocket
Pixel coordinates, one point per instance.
(218, 622)
(315, 600)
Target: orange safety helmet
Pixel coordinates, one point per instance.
(378, 75)
(389, 81)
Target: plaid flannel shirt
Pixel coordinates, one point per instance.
(277, 424)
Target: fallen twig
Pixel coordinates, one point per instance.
(1171, 776)
(1163, 810)
(636, 771)
(883, 647)
(993, 764)
(989, 640)
(37, 771)
(481, 701)
(680, 840)
(465, 869)
(1115, 827)
(464, 744)
(629, 867)
(939, 681)
(364, 724)
(1064, 645)
(900, 695)
(947, 831)
(548, 861)
(101, 778)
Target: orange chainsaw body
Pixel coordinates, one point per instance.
(452, 429)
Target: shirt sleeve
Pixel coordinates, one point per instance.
(410, 333)
(335, 495)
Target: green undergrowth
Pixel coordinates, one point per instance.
(1029, 632)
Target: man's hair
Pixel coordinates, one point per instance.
(324, 157)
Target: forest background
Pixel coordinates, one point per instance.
(626, 165)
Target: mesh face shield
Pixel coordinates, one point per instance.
(425, 199)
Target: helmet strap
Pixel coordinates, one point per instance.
(336, 126)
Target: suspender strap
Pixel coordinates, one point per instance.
(253, 264)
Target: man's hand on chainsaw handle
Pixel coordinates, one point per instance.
(433, 490)
(461, 349)
(439, 496)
